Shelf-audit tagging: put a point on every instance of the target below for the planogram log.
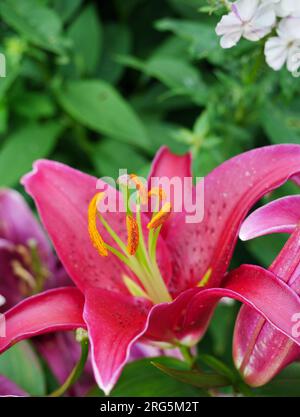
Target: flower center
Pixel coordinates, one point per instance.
(139, 252)
(29, 268)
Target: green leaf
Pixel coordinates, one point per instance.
(99, 106)
(281, 125)
(286, 384)
(23, 147)
(202, 38)
(195, 377)
(142, 379)
(66, 8)
(21, 365)
(116, 41)
(33, 105)
(107, 161)
(179, 76)
(86, 34)
(35, 22)
(266, 248)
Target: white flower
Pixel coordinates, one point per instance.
(285, 48)
(2, 300)
(249, 19)
(290, 7)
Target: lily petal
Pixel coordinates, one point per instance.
(260, 351)
(114, 322)
(18, 225)
(279, 216)
(258, 288)
(10, 389)
(230, 191)
(53, 310)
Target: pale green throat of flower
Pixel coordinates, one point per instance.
(139, 254)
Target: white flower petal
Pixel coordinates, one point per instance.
(289, 29)
(293, 60)
(246, 8)
(227, 24)
(275, 53)
(231, 39)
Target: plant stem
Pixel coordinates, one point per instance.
(76, 372)
(187, 355)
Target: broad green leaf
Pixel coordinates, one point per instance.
(280, 124)
(195, 377)
(202, 38)
(35, 22)
(23, 147)
(286, 384)
(66, 8)
(107, 161)
(86, 34)
(21, 365)
(116, 41)
(142, 379)
(182, 78)
(100, 107)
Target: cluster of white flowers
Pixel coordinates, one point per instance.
(255, 19)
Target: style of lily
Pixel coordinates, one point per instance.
(261, 351)
(159, 283)
(28, 266)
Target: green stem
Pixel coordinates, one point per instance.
(76, 372)
(187, 356)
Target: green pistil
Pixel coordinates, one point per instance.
(143, 264)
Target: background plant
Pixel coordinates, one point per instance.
(102, 85)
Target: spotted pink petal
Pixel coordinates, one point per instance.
(62, 195)
(279, 216)
(53, 310)
(230, 191)
(187, 317)
(260, 351)
(114, 322)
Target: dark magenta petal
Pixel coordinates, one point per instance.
(230, 191)
(115, 321)
(18, 224)
(279, 216)
(10, 389)
(62, 195)
(62, 352)
(260, 351)
(53, 310)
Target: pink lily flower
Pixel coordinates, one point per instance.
(164, 295)
(261, 351)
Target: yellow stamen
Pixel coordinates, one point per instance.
(204, 280)
(157, 192)
(134, 288)
(140, 188)
(133, 234)
(95, 237)
(159, 218)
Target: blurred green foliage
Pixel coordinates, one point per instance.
(102, 85)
